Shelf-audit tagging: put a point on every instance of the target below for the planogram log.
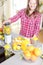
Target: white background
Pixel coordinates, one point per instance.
(17, 5)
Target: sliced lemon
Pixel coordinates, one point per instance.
(18, 47)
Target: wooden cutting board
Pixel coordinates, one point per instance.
(40, 36)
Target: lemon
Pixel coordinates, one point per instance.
(19, 38)
(18, 47)
(14, 46)
(23, 47)
(7, 30)
(25, 42)
(7, 47)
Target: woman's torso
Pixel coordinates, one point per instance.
(27, 25)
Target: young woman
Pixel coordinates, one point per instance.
(30, 19)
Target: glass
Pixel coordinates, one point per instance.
(26, 55)
(7, 33)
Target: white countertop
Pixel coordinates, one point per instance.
(16, 60)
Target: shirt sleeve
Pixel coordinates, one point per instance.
(37, 24)
(16, 17)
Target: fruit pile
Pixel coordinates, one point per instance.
(31, 53)
(19, 42)
(1, 34)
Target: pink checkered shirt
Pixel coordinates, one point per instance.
(30, 26)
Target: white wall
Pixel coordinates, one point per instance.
(17, 5)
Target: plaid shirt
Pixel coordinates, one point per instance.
(30, 26)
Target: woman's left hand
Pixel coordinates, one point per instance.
(31, 41)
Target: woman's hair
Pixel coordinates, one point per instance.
(36, 9)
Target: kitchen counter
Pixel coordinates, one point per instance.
(16, 60)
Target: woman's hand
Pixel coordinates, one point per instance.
(31, 41)
(35, 38)
(7, 21)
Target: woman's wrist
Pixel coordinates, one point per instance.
(9, 21)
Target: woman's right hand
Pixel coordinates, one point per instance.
(7, 21)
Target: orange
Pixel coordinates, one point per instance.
(27, 55)
(30, 48)
(1, 30)
(37, 51)
(23, 48)
(33, 57)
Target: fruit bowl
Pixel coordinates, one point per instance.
(31, 53)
